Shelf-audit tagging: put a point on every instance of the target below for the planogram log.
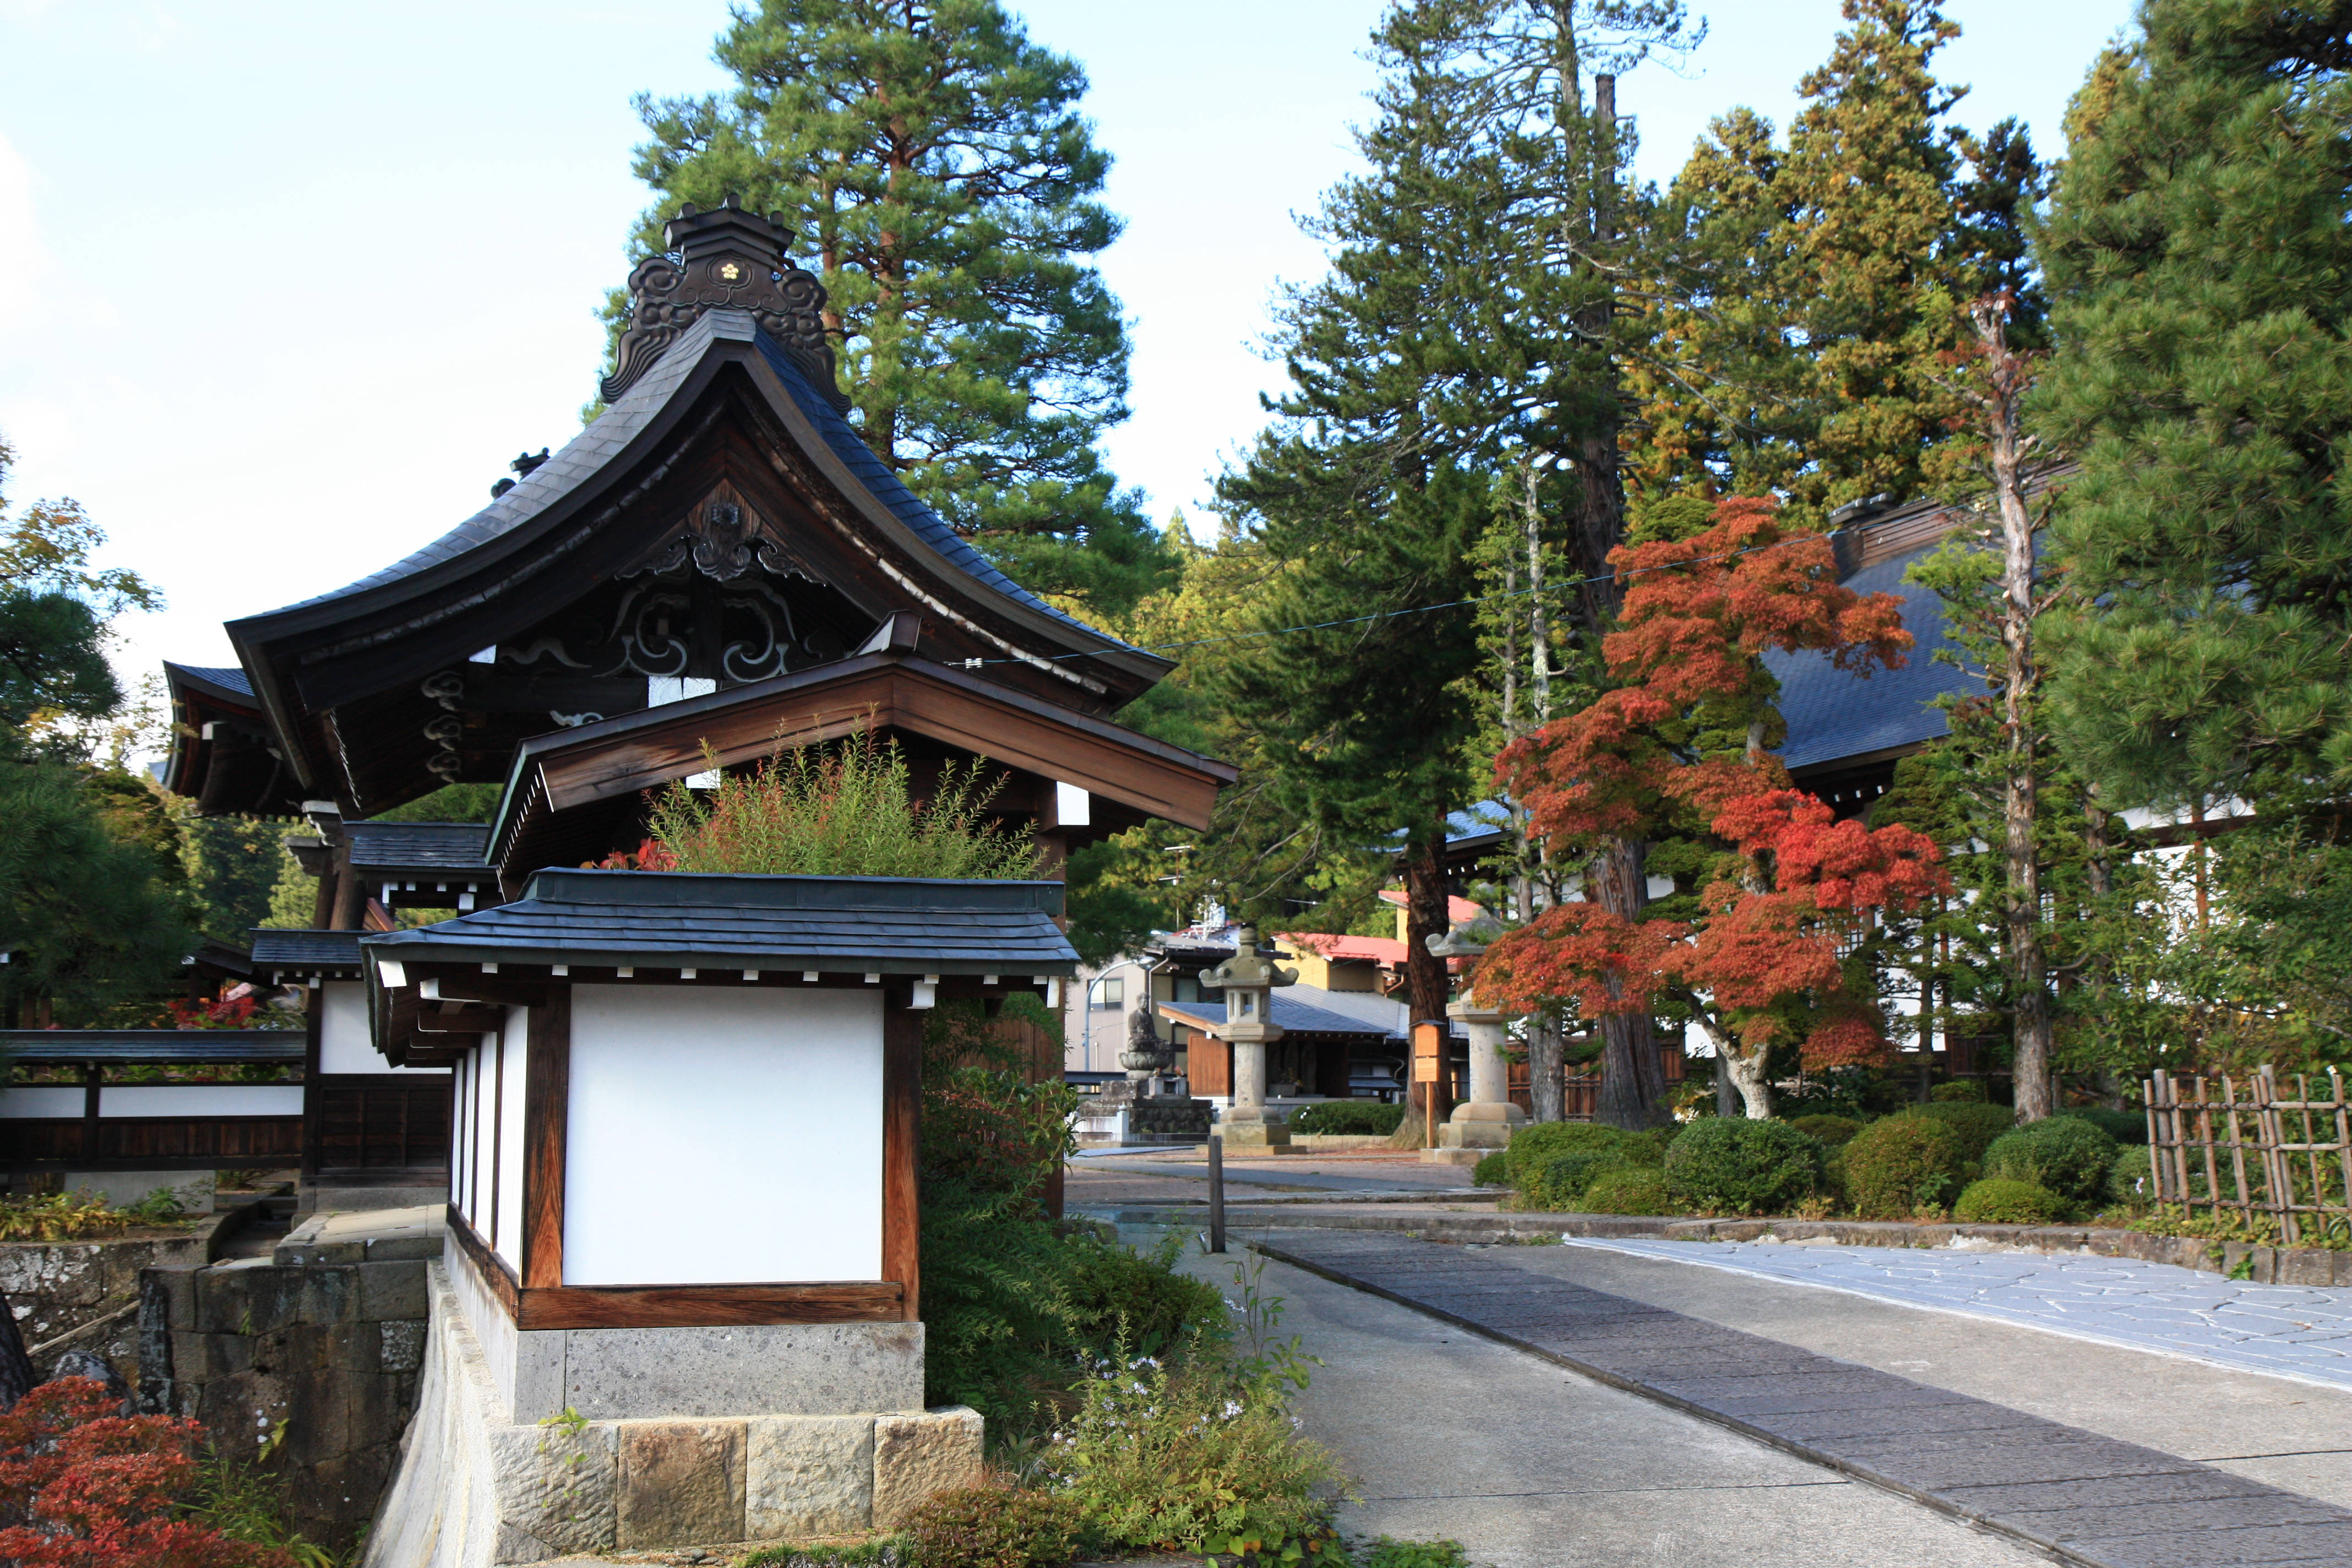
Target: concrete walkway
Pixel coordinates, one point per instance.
(1530, 1466)
(2289, 1330)
(2095, 1454)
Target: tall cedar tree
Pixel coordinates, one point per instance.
(930, 159)
(1782, 950)
(1812, 288)
(2200, 275)
(1466, 328)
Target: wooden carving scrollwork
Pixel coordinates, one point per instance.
(726, 259)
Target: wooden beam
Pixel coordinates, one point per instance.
(546, 1104)
(487, 1263)
(902, 1110)
(454, 1017)
(706, 1306)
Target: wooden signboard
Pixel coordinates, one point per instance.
(1428, 1065)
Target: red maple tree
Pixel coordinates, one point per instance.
(1679, 749)
(84, 1486)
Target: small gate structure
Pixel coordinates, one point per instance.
(2243, 1147)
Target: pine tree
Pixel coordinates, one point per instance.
(2200, 275)
(932, 163)
(1814, 289)
(1467, 328)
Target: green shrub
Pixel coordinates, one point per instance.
(1734, 1165)
(2068, 1156)
(1360, 1117)
(1999, 1200)
(1385, 1552)
(2132, 1178)
(993, 1527)
(1494, 1170)
(1977, 1124)
(1200, 1453)
(2126, 1127)
(1648, 1147)
(1831, 1131)
(1531, 1146)
(1899, 1164)
(1959, 1092)
(1628, 1189)
(1560, 1181)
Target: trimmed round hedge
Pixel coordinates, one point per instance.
(1831, 1131)
(1730, 1164)
(1977, 1124)
(1558, 1183)
(2000, 1200)
(1630, 1189)
(1959, 1092)
(1360, 1117)
(1899, 1163)
(2126, 1127)
(2066, 1156)
(1494, 1170)
(1531, 1146)
(2132, 1178)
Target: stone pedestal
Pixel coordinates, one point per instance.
(1259, 1133)
(1484, 1121)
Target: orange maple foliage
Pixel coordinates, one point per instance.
(84, 1486)
(1647, 758)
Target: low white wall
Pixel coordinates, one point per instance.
(41, 1100)
(344, 1042)
(200, 1099)
(723, 1136)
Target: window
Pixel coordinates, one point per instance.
(1111, 993)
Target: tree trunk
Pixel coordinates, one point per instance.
(1631, 1081)
(1727, 1088)
(1742, 1071)
(1425, 983)
(2020, 789)
(1546, 1082)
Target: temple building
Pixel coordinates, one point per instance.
(716, 566)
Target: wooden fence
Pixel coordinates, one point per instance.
(2244, 1147)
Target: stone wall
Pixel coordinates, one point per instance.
(84, 1295)
(317, 1348)
(475, 1490)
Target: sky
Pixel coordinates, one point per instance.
(284, 286)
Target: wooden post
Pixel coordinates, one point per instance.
(546, 1104)
(93, 1076)
(902, 1112)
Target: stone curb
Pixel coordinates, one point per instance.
(2270, 1264)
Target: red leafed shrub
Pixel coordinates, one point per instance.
(82, 1486)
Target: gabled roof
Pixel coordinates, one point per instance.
(417, 846)
(1837, 716)
(837, 924)
(278, 951)
(1129, 776)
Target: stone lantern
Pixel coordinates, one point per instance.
(1248, 979)
(1484, 1122)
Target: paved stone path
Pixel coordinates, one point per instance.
(2082, 1496)
(2290, 1330)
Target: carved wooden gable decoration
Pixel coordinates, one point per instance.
(721, 523)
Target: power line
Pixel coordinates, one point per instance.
(1423, 609)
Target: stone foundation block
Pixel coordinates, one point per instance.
(681, 1483)
(1445, 1156)
(558, 1489)
(1254, 1134)
(808, 1475)
(916, 1456)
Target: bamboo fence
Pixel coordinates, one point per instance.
(2243, 1147)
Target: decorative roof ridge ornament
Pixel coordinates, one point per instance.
(725, 259)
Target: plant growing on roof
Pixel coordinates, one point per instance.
(844, 810)
(1780, 949)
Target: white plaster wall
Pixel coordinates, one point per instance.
(723, 1136)
(508, 1243)
(344, 1042)
(39, 1100)
(199, 1099)
(461, 1131)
